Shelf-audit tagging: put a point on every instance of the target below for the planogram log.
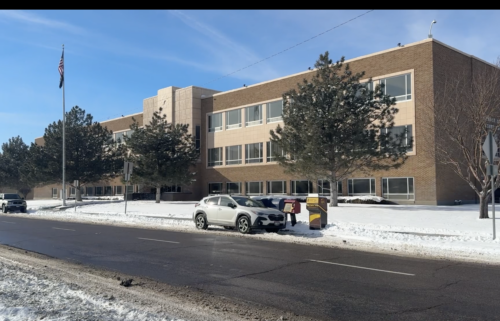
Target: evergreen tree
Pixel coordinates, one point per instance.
(13, 156)
(334, 125)
(91, 153)
(162, 153)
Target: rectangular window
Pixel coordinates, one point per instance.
(89, 191)
(198, 137)
(98, 190)
(72, 191)
(361, 186)
(214, 188)
(130, 189)
(272, 150)
(215, 122)
(172, 189)
(398, 188)
(118, 190)
(233, 119)
(276, 187)
(215, 156)
(233, 155)
(54, 193)
(108, 190)
(254, 188)
(119, 138)
(253, 115)
(405, 132)
(233, 188)
(253, 153)
(398, 87)
(301, 187)
(274, 111)
(324, 187)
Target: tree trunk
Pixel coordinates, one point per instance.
(78, 193)
(483, 205)
(158, 194)
(333, 194)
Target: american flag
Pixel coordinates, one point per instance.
(61, 70)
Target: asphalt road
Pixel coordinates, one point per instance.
(324, 283)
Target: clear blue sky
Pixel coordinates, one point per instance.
(115, 59)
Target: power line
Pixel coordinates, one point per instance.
(298, 44)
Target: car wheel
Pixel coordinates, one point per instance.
(23, 209)
(243, 225)
(4, 209)
(272, 230)
(229, 227)
(201, 222)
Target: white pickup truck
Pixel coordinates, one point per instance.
(12, 202)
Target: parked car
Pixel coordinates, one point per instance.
(240, 212)
(12, 202)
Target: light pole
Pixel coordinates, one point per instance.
(430, 29)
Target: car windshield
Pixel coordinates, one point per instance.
(11, 197)
(248, 202)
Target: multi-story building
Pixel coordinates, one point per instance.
(232, 131)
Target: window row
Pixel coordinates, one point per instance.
(398, 188)
(253, 116)
(254, 153)
(95, 191)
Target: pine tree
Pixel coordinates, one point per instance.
(162, 153)
(91, 153)
(14, 154)
(333, 126)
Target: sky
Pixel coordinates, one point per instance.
(115, 59)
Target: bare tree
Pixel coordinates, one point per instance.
(464, 108)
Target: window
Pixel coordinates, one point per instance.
(276, 187)
(272, 150)
(213, 201)
(233, 119)
(274, 111)
(225, 201)
(398, 87)
(130, 189)
(119, 138)
(108, 190)
(72, 191)
(301, 187)
(254, 188)
(324, 187)
(233, 188)
(233, 155)
(215, 122)
(118, 190)
(361, 186)
(405, 132)
(172, 189)
(215, 156)
(89, 191)
(214, 188)
(253, 115)
(54, 193)
(253, 153)
(98, 190)
(198, 137)
(398, 188)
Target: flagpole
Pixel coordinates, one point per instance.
(63, 140)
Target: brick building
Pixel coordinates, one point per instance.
(232, 130)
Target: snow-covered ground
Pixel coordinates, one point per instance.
(453, 232)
